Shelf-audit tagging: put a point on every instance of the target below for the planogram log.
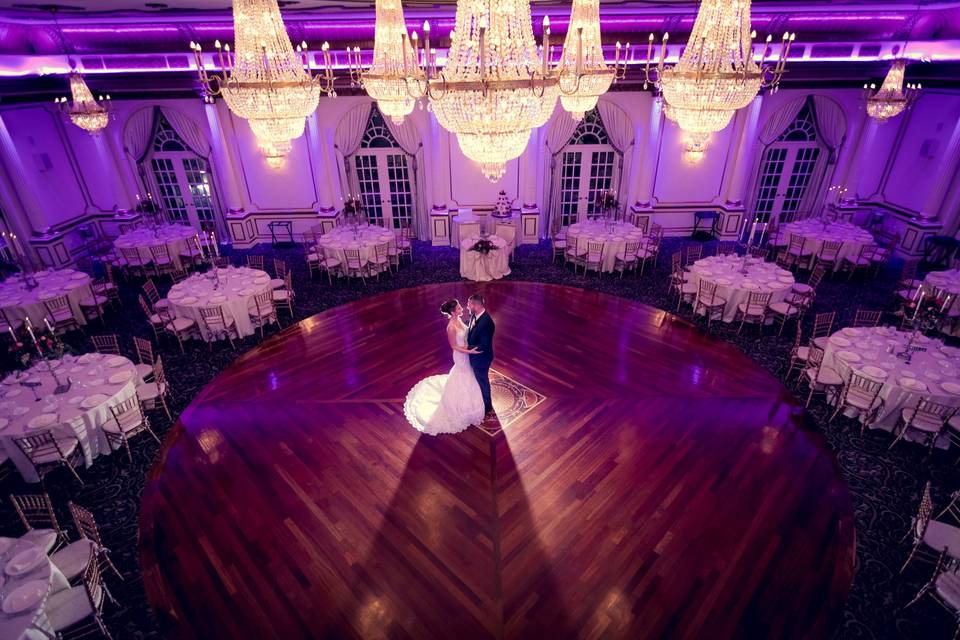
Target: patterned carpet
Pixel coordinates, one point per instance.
(885, 485)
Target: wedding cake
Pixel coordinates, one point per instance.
(502, 208)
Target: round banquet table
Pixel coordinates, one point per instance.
(736, 287)
(871, 351)
(614, 237)
(815, 233)
(174, 236)
(30, 620)
(232, 289)
(484, 267)
(365, 238)
(98, 382)
(20, 302)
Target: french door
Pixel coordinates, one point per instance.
(184, 188)
(787, 171)
(385, 187)
(585, 172)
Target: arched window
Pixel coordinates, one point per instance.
(588, 166)
(793, 164)
(181, 178)
(383, 176)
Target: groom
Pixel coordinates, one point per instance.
(480, 337)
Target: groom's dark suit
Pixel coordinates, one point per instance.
(480, 336)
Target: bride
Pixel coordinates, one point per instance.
(448, 403)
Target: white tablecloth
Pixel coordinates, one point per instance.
(858, 348)
(736, 287)
(174, 236)
(233, 290)
(365, 239)
(483, 267)
(31, 623)
(614, 236)
(815, 233)
(98, 382)
(20, 302)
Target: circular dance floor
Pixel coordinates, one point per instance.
(645, 481)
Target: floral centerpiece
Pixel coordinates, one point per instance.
(607, 202)
(483, 246)
(28, 348)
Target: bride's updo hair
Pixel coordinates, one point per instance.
(448, 307)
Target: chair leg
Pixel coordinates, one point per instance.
(74, 472)
(166, 409)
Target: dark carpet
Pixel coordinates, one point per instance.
(885, 485)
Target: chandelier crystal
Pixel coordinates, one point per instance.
(892, 98)
(394, 65)
(495, 87)
(84, 111)
(584, 75)
(265, 81)
(716, 74)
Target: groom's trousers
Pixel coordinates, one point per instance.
(482, 373)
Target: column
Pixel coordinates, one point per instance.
(121, 199)
(857, 158)
(441, 164)
(949, 163)
(529, 168)
(736, 184)
(223, 161)
(650, 153)
(29, 214)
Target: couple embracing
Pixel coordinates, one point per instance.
(451, 403)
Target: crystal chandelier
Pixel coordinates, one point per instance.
(265, 81)
(394, 63)
(495, 87)
(584, 74)
(84, 111)
(716, 74)
(892, 98)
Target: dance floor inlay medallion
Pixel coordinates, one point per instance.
(650, 482)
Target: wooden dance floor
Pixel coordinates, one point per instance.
(653, 483)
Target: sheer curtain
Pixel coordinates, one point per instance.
(621, 131)
(408, 137)
(347, 137)
(831, 121)
(138, 133)
(187, 129)
(780, 120)
(561, 128)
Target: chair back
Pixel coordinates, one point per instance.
(160, 252)
(93, 581)
(179, 275)
(279, 268)
(864, 386)
(221, 262)
(35, 511)
(934, 409)
(823, 324)
(144, 306)
(150, 289)
(815, 356)
(213, 317)
(166, 315)
(106, 344)
(382, 249)
(352, 258)
(726, 247)
(866, 318)
(706, 290)
(924, 513)
(144, 349)
(84, 523)
(264, 302)
(131, 256)
(594, 252)
(127, 414)
(255, 262)
(796, 245)
(58, 306)
(755, 252)
(288, 281)
(694, 252)
(676, 262)
(830, 249)
(630, 251)
(158, 374)
(40, 447)
(817, 276)
(758, 301)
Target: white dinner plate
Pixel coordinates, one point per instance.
(120, 377)
(25, 561)
(25, 597)
(777, 285)
(93, 401)
(874, 372)
(848, 356)
(913, 384)
(909, 374)
(218, 299)
(78, 276)
(116, 361)
(723, 281)
(188, 300)
(938, 355)
(247, 292)
(13, 393)
(19, 411)
(96, 382)
(933, 375)
(950, 387)
(840, 341)
(75, 400)
(850, 331)
(42, 421)
(750, 285)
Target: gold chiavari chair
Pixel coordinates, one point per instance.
(790, 308)
(708, 301)
(628, 259)
(822, 328)
(279, 273)
(861, 394)
(133, 263)
(694, 253)
(128, 421)
(86, 526)
(156, 323)
(107, 287)
(816, 277)
(180, 328)
(798, 354)
(866, 318)
(284, 297)
(106, 344)
(36, 513)
(797, 255)
(355, 266)
(574, 252)
(558, 245)
(79, 609)
(405, 242)
(61, 314)
(931, 538)
(93, 305)
(216, 325)
(860, 262)
(255, 262)
(47, 452)
(179, 275)
(381, 259)
(926, 421)
(943, 587)
(819, 377)
(162, 262)
(153, 295)
(728, 247)
(264, 311)
(829, 255)
(677, 275)
(908, 283)
(220, 262)
(754, 310)
(156, 391)
(650, 248)
(191, 254)
(593, 258)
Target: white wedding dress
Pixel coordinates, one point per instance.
(446, 403)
